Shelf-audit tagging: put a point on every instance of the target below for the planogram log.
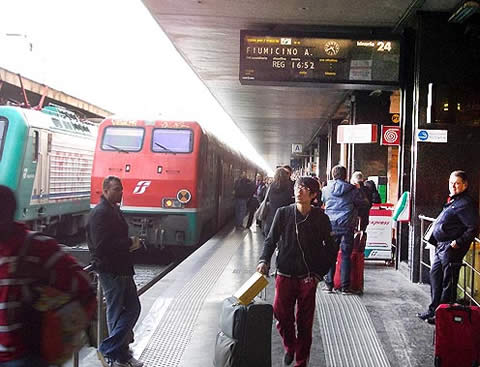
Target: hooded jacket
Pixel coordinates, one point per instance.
(310, 252)
(342, 201)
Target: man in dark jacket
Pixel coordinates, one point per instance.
(342, 201)
(453, 232)
(111, 249)
(305, 254)
(243, 190)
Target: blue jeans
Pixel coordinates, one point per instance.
(345, 242)
(123, 310)
(25, 362)
(240, 211)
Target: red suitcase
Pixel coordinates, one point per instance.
(357, 263)
(457, 336)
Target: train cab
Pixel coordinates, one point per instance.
(177, 179)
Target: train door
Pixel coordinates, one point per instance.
(41, 141)
(219, 198)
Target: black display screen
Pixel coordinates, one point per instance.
(283, 60)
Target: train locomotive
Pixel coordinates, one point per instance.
(46, 159)
(178, 179)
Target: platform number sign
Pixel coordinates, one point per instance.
(297, 148)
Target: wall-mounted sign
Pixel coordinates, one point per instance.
(362, 133)
(432, 136)
(297, 148)
(390, 135)
(295, 59)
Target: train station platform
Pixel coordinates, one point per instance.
(180, 313)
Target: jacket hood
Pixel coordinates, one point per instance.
(339, 187)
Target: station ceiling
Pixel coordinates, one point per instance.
(207, 35)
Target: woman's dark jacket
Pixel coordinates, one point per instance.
(277, 197)
(314, 239)
(458, 221)
(108, 240)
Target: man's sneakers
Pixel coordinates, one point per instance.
(346, 291)
(135, 362)
(288, 359)
(327, 288)
(427, 316)
(107, 362)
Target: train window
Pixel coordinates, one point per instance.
(36, 145)
(56, 122)
(172, 141)
(3, 133)
(123, 139)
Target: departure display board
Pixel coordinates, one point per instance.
(295, 60)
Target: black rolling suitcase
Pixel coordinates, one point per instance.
(245, 336)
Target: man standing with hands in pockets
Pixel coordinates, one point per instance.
(111, 249)
(305, 254)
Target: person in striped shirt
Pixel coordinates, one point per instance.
(44, 262)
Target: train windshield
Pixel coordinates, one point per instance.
(123, 139)
(3, 131)
(172, 140)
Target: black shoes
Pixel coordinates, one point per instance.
(427, 316)
(346, 291)
(327, 288)
(287, 359)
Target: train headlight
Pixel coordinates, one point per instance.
(184, 196)
(170, 203)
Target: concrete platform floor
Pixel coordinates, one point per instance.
(180, 314)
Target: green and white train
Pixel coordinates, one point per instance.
(46, 159)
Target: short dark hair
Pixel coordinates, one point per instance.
(339, 172)
(107, 180)
(9, 204)
(309, 182)
(287, 167)
(461, 174)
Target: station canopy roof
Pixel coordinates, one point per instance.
(207, 35)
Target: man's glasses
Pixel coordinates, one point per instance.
(302, 188)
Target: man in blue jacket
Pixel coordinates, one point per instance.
(342, 201)
(453, 232)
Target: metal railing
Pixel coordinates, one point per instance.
(469, 268)
(100, 312)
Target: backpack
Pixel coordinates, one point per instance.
(56, 321)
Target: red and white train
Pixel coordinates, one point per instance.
(178, 179)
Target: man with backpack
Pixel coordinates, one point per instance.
(305, 254)
(30, 260)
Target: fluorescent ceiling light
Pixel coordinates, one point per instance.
(464, 12)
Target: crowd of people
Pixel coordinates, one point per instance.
(307, 223)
